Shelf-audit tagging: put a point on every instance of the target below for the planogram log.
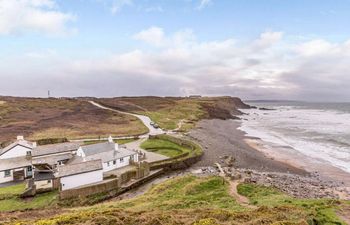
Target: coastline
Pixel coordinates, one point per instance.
(221, 138)
(299, 160)
(293, 172)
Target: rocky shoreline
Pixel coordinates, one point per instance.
(298, 186)
(224, 144)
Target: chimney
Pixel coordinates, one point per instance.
(20, 138)
(34, 145)
(116, 146)
(110, 139)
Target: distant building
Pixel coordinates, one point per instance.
(15, 163)
(195, 96)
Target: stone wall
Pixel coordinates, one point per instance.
(113, 184)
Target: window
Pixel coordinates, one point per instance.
(131, 157)
(7, 173)
(29, 169)
(114, 162)
(121, 159)
(107, 163)
(49, 182)
(29, 153)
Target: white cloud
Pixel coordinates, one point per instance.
(156, 37)
(117, 5)
(19, 16)
(204, 3)
(179, 64)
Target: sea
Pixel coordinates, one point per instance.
(320, 131)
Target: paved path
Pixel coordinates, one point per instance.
(144, 119)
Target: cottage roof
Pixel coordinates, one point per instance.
(47, 175)
(14, 163)
(111, 155)
(55, 148)
(78, 168)
(51, 159)
(24, 143)
(98, 148)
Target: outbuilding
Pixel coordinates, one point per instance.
(80, 174)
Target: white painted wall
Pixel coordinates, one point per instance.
(43, 184)
(77, 180)
(118, 163)
(16, 151)
(4, 179)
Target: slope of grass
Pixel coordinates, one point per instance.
(39, 201)
(39, 118)
(321, 210)
(11, 191)
(178, 113)
(201, 200)
(164, 147)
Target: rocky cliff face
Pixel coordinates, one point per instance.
(225, 108)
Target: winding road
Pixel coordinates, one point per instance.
(144, 119)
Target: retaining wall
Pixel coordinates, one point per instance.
(113, 184)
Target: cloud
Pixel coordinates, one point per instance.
(117, 5)
(155, 36)
(269, 67)
(42, 16)
(204, 3)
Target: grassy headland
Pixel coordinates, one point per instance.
(202, 200)
(178, 113)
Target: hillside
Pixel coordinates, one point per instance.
(38, 118)
(178, 113)
(196, 200)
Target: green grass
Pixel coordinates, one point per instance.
(164, 147)
(322, 210)
(15, 203)
(168, 118)
(11, 191)
(202, 200)
(183, 193)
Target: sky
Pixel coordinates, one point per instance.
(253, 49)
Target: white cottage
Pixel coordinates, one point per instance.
(79, 174)
(15, 163)
(112, 156)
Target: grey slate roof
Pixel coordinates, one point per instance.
(111, 155)
(51, 159)
(38, 175)
(23, 143)
(14, 163)
(55, 149)
(78, 168)
(98, 148)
